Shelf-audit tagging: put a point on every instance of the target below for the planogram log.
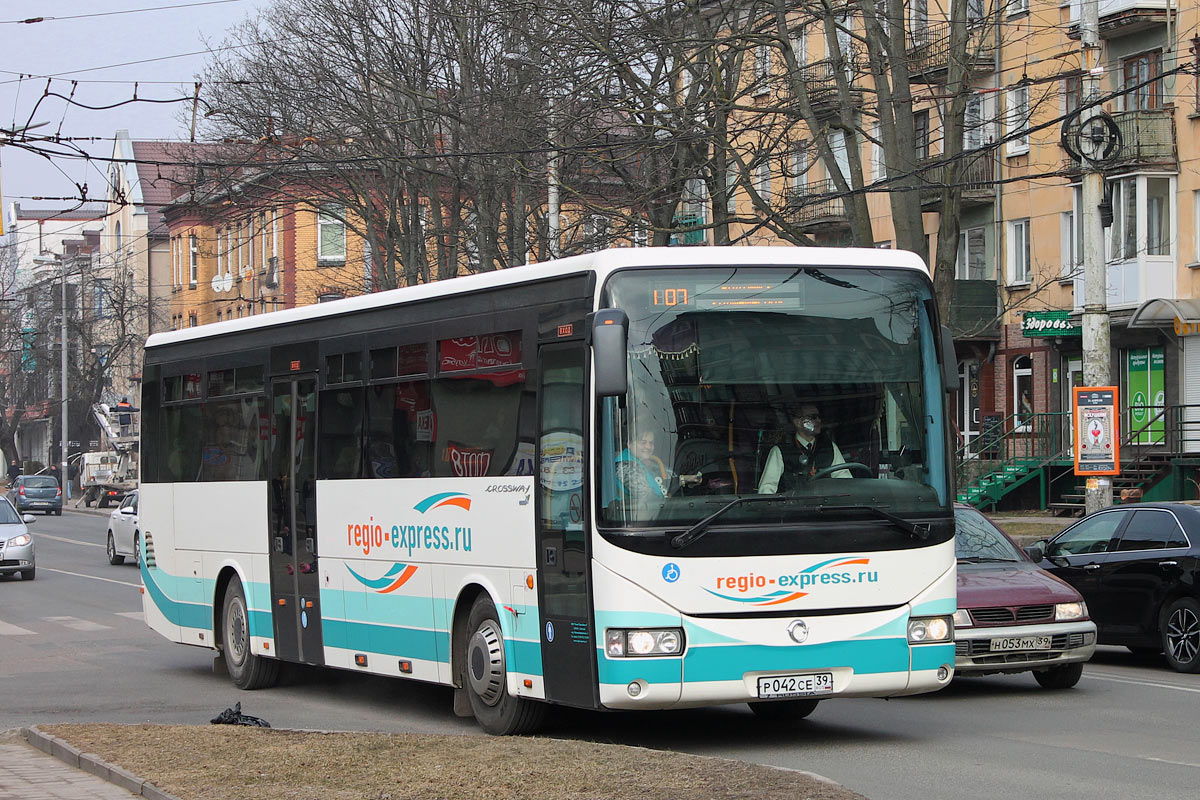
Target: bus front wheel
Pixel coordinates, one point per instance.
(246, 670)
(784, 710)
(486, 678)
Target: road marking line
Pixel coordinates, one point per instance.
(93, 577)
(12, 630)
(1144, 683)
(68, 541)
(138, 615)
(78, 624)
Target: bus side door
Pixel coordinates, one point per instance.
(568, 637)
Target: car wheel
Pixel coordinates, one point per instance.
(113, 558)
(784, 710)
(246, 670)
(137, 549)
(1063, 677)
(1181, 635)
(486, 677)
(102, 503)
(58, 513)
(28, 574)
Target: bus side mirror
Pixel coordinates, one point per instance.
(949, 363)
(610, 331)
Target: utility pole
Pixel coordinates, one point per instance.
(1096, 333)
(64, 476)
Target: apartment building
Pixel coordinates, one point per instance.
(1018, 283)
(237, 254)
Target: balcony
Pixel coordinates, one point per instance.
(975, 310)
(1121, 17)
(820, 79)
(1147, 140)
(976, 179)
(814, 205)
(929, 51)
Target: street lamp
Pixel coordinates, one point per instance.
(64, 472)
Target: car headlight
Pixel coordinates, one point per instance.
(1069, 611)
(962, 618)
(20, 541)
(929, 630)
(638, 642)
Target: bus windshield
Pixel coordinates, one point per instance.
(818, 386)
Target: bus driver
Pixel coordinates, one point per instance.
(800, 456)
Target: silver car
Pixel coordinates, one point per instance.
(124, 533)
(16, 545)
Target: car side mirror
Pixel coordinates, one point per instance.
(127, 510)
(1036, 551)
(28, 519)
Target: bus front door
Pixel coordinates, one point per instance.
(295, 592)
(568, 635)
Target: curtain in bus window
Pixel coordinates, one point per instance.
(340, 439)
(234, 440)
(477, 425)
(400, 427)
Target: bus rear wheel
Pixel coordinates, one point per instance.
(246, 670)
(784, 710)
(485, 677)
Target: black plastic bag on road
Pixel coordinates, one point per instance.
(234, 716)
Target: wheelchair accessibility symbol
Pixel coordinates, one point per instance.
(670, 572)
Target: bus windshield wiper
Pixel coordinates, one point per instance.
(913, 529)
(700, 528)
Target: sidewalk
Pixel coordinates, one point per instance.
(35, 766)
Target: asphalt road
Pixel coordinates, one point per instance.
(73, 648)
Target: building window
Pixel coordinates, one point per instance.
(1158, 217)
(1017, 119)
(799, 169)
(329, 297)
(975, 132)
(921, 134)
(918, 12)
(762, 66)
(1019, 267)
(1196, 218)
(595, 232)
(800, 45)
(1140, 77)
(192, 321)
(1070, 244)
(1022, 385)
(1072, 93)
(1016, 7)
(100, 298)
(878, 161)
(1122, 234)
(762, 180)
(331, 234)
(193, 260)
(972, 254)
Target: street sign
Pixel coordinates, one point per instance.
(1097, 430)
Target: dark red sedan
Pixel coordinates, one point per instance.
(1012, 615)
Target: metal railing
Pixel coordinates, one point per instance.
(929, 48)
(977, 174)
(813, 201)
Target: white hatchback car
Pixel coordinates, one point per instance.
(124, 534)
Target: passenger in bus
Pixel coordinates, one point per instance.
(644, 477)
(801, 453)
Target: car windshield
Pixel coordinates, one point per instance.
(753, 381)
(41, 482)
(977, 539)
(8, 514)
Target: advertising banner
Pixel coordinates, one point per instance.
(1097, 430)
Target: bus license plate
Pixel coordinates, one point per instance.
(1021, 643)
(796, 685)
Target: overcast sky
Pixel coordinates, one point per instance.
(167, 45)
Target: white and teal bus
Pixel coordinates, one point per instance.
(445, 482)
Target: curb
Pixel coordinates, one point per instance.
(93, 764)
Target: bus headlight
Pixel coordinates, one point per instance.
(637, 642)
(962, 618)
(929, 630)
(1068, 611)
